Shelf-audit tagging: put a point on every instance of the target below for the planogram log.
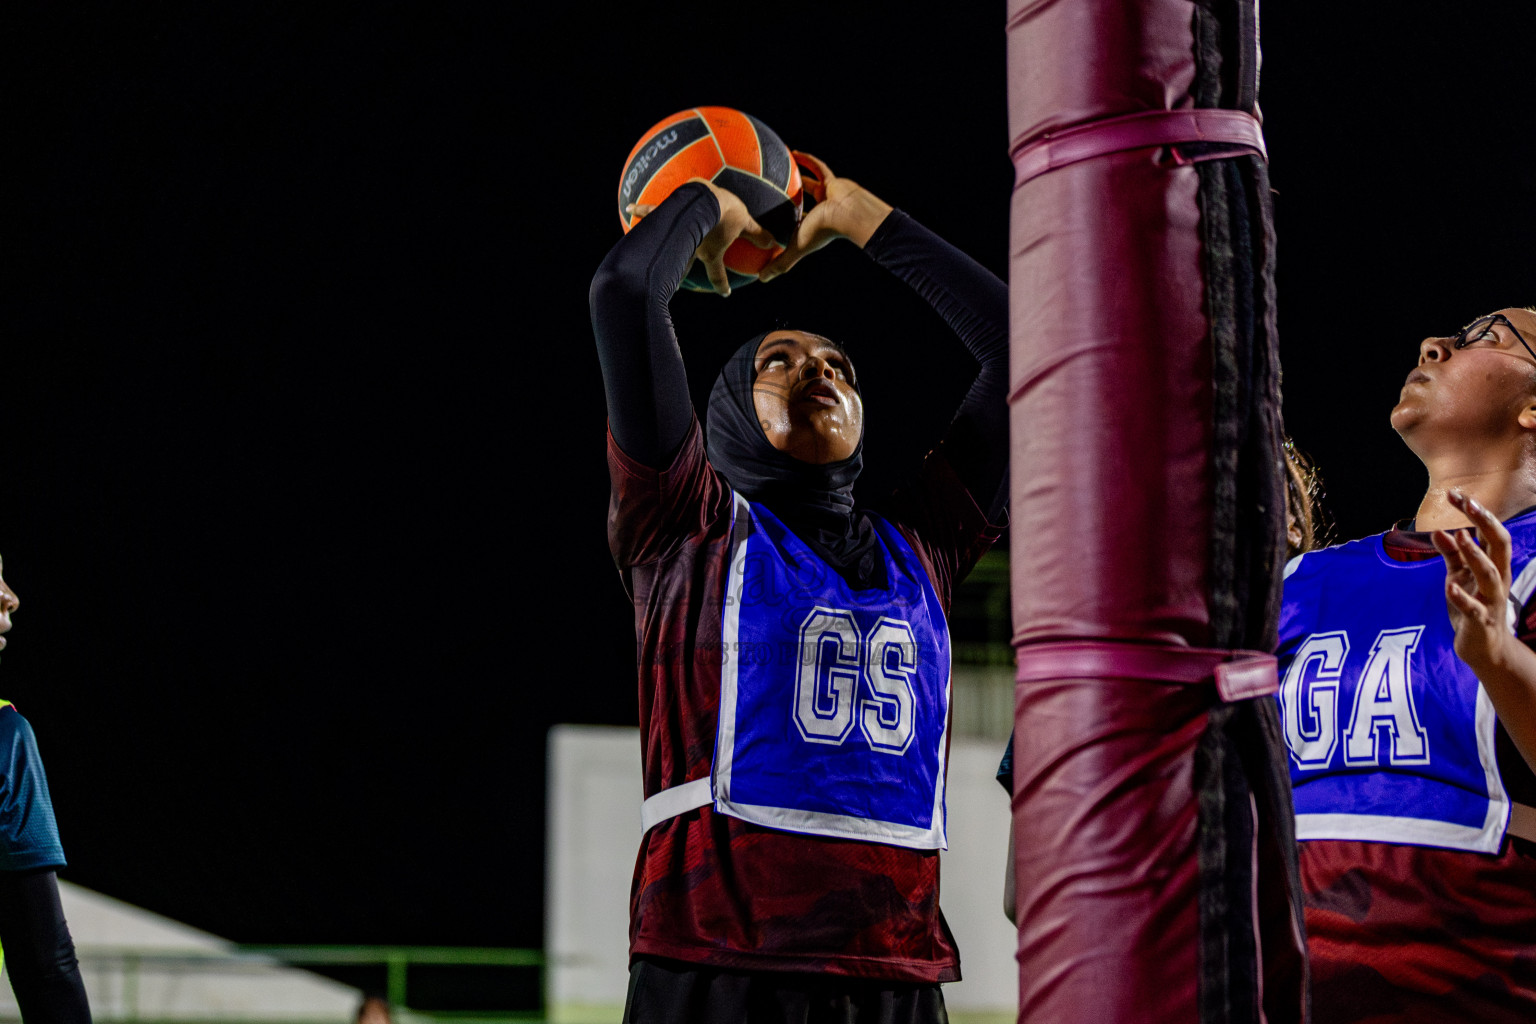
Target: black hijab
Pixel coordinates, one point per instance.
(815, 502)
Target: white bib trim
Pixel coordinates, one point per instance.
(1380, 828)
(669, 803)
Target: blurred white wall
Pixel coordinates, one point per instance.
(594, 833)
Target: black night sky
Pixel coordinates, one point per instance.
(301, 426)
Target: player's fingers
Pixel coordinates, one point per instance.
(758, 235)
(1456, 570)
(638, 210)
(711, 253)
(1490, 531)
(1485, 574)
(814, 183)
(816, 165)
(781, 263)
(1462, 601)
(714, 267)
(1445, 543)
(719, 280)
(799, 247)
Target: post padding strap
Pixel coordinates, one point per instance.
(1234, 133)
(1238, 675)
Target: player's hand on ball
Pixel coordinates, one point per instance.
(735, 222)
(1477, 582)
(844, 209)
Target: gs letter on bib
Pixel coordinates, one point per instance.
(834, 702)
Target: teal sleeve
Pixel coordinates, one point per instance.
(29, 836)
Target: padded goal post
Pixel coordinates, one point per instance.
(1155, 859)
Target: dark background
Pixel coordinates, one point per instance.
(300, 412)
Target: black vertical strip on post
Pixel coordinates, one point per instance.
(1259, 739)
(1241, 776)
(1231, 965)
(1230, 968)
(1226, 272)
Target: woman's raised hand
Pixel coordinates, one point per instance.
(844, 209)
(735, 222)
(1477, 582)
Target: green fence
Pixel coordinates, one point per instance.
(397, 961)
(126, 965)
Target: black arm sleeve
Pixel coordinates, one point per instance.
(39, 953)
(643, 376)
(974, 303)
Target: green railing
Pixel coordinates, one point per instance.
(397, 961)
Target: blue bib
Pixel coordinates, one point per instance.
(1391, 736)
(834, 703)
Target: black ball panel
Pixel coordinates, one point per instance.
(776, 159)
(768, 205)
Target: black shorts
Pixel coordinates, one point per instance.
(672, 992)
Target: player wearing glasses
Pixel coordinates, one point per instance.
(1408, 698)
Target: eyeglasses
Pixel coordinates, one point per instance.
(1482, 327)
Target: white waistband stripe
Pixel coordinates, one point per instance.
(669, 803)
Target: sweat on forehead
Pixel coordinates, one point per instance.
(1520, 316)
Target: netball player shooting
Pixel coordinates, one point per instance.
(793, 650)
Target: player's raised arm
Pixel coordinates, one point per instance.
(643, 375)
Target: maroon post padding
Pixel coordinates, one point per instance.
(1105, 860)
(1105, 819)
(1111, 419)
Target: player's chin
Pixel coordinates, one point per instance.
(1405, 416)
(835, 448)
